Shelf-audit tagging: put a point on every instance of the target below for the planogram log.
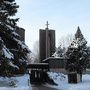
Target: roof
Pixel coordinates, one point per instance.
(53, 58)
(38, 65)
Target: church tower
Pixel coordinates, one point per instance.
(46, 42)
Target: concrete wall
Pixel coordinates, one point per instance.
(56, 64)
(52, 42)
(58, 70)
(21, 32)
(42, 43)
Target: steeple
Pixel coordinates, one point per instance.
(46, 42)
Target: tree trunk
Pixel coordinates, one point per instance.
(81, 77)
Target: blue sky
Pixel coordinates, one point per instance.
(64, 16)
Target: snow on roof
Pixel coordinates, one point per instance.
(54, 58)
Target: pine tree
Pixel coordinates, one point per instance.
(13, 51)
(77, 54)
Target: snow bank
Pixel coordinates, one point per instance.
(63, 84)
(18, 88)
(21, 83)
(59, 78)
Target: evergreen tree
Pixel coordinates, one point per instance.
(77, 54)
(13, 51)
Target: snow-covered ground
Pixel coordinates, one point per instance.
(60, 79)
(63, 84)
(21, 83)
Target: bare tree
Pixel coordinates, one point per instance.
(30, 58)
(36, 52)
(65, 41)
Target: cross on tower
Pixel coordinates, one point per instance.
(47, 24)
